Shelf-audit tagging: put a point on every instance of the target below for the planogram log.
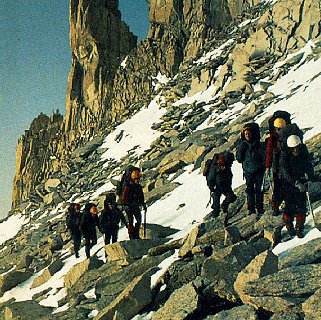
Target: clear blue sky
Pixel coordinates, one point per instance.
(35, 60)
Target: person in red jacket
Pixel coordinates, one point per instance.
(272, 147)
(132, 199)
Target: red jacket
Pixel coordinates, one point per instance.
(272, 143)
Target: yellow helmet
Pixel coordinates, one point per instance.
(279, 123)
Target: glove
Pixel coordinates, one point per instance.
(300, 186)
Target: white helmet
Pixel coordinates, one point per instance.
(293, 141)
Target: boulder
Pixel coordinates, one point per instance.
(307, 253)
(130, 250)
(54, 267)
(181, 304)
(12, 279)
(294, 285)
(262, 265)
(79, 269)
(238, 313)
(311, 307)
(132, 300)
(52, 184)
(26, 310)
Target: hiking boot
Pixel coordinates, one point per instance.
(290, 229)
(260, 211)
(249, 212)
(77, 254)
(300, 233)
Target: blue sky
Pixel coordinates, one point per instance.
(35, 60)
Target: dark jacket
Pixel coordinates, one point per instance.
(73, 220)
(252, 156)
(133, 196)
(293, 168)
(110, 219)
(88, 224)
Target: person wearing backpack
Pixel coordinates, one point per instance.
(132, 199)
(73, 224)
(272, 146)
(89, 222)
(110, 218)
(251, 153)
(219, 180)
(295, 170)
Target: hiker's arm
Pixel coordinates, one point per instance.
(124, 196)
(240, 152)
(122, 218)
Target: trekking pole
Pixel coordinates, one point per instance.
(144, 224)
(310, 207)
(210, 200)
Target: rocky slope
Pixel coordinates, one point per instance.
(225, 267)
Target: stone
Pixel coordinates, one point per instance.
(129, 250)
(12, 279)
(244, 312)
(264, 264)
(181, 304)
(52, 184)
(133, 299)
(311, 306)
(75, 272)
(26, 310)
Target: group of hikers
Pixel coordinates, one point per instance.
(85, 224)
(282, 163)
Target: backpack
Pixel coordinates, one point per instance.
(286, 116)
(290, 129)
(210, 166)
(126, 178)
(254, 128)
(211, 163)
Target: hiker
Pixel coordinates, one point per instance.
(132, 199)
(272, 168)
(251, 153)
(88, 224)
(295, 170)
(73, 223)
(219, 180)
(110, 218)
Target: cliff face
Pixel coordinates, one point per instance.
(111, 77)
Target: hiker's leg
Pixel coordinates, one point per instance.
(288, 221)
(216, 196)
(87, 246)
(107, 236)
(250, 191)
(299, 225)
(300, 204)
(289, 209)
(114, 235)
(138, 217)
(276, 196)
(130, 217)
(77, 243)
(230, 197)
